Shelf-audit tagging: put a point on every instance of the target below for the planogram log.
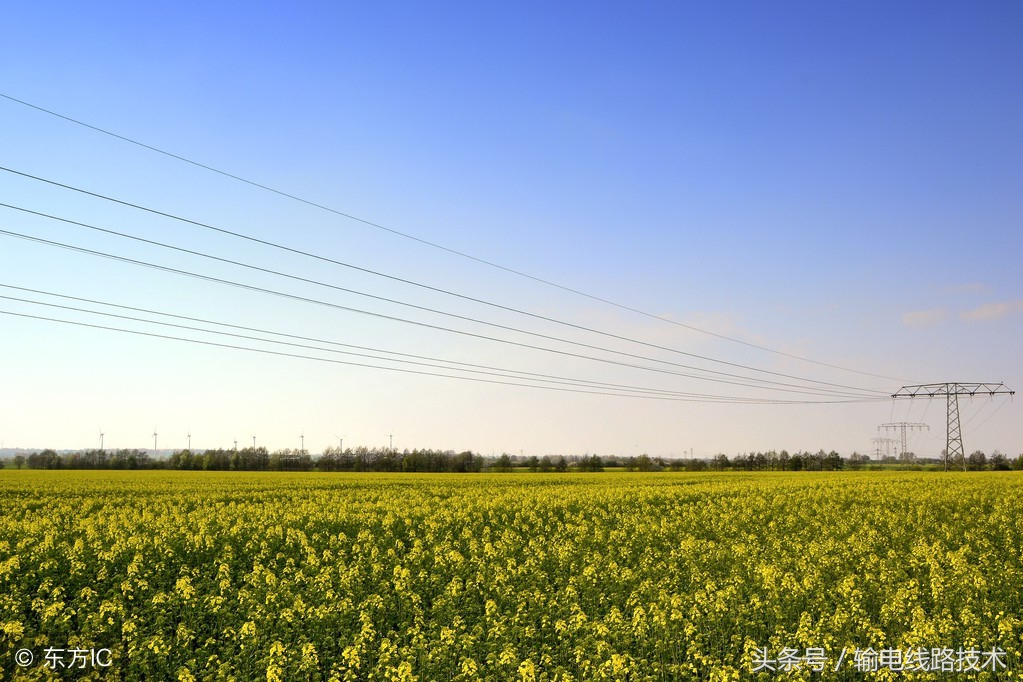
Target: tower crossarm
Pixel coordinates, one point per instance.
(955, 388)
(954, 449)
(903, 425)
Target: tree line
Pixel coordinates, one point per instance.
(447, 461)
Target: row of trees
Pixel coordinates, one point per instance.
(832, 461)
(261, 459)
(384, 459)
(87, 459)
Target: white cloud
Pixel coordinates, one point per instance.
(993, 311)
(924, 318)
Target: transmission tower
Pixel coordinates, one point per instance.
(902, 427)
(952, 391)
(885, 443)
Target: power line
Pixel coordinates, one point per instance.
(433, 244)
(480, 369)
(1002, 404)
(281, 334)
(336, 306)
(392, 369)
(398, 279)
(790, 387)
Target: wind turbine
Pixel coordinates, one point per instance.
(101, 434)
(189, 441)
(340, 442)
(253, 441)
(154, 440)
(303, 441)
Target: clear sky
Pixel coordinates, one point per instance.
(827, 196)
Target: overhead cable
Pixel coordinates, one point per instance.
(435, 245)
(264, 242)
(454, 315)
(293, 297)
(419, 360)
(783, 386)
(397, 369)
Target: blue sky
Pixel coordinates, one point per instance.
(833, 181)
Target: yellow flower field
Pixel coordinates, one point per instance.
(260, 576)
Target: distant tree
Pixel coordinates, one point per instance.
(817, 460)
(290, 460)
(19, 461)
(533, 463)
(833, 461)
(181, 460)
(999, 462)
(502, 463)
(561, 464)
(47, 459)
(417, 460)
(1017, 464)
(253, 459)
(467, 462)
(331, 460)
(644, 463)
(386, 459)
(217, 460)
(276, 461)
(720, 462)
(856, 461)
(977, 461)
(303, 461)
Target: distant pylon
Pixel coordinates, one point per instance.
(886, 443)
(903, 427)
(952, 391)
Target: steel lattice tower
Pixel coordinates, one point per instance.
(902, 427)
(886, 443)
(954, 437)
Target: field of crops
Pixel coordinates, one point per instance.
(199, 575)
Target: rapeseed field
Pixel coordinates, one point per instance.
(614, 576)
